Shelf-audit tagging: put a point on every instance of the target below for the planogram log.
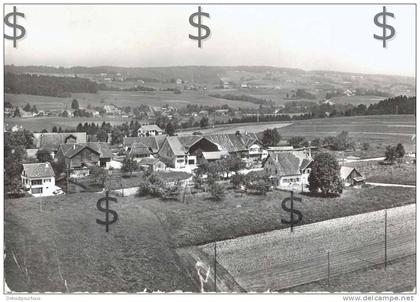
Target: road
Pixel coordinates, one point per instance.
(281, 259)
(380, 184)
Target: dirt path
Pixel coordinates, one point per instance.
(380, 184)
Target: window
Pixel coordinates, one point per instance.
(47, 180)
(36, 191)
(191, 162)
(180, 161)
(37, 182)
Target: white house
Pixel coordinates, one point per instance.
(289, 170)
(38, 179)
(149, 130)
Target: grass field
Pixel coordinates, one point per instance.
(63, 244)
(203, 220)
(399, 276)
(139, 252)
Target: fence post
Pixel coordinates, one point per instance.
(386, 222)
(328, 261)
(215, 274)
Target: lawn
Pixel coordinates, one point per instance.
(404, 173)
(61, 248)
(399, 276)
(203, 220)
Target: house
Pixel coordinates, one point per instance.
(149, 130)
(243, 144)
(182, 151)
(152, 142)
(79, 157)
(38, 179)
(351, 177)
(215, 155)
(51, 141)
(138, 150)
(288, 170)
(151, 164)
(112, 110)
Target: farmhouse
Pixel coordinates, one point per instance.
(153, 143)
(51, 141)
(149, 130)
(138, 150)
(182, 151)
(79, 157)
(288, 170)
(38, 179)
(351, 177)
(245, 145)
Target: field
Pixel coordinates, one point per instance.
(282, 259)
(63, 249)
(203, 220)
(398, 276)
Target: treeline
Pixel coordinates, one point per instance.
(395, 105)
(47, 85)
(244, 98)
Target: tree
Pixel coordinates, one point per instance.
(54, 129)
(116, 137)
(296, 141)
(65, 114)
(43, 156)
(270, 137)
(400, 152)
(34, 109)
(99, 174)
(217, 191)
(129, 164)
(44, 131)
(390, 154)
(102, 136)
(16, 113)
(233, 164)
(27, 107)
(365, 146)
(204, 122)
(325, 175)
(75, 104)
(342, 142)
(170, 129)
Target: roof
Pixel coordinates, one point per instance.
(152, 142)
(233, 142)
(150, 128)
(290, 162)
(53, 140)
(346, 171)
(215, 155)
(139, 149)
(149, 161)
(38, 170)
(189, 140)
(70, 150)
(176, 146)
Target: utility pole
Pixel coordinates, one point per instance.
(291, 212)
(386, 256)
(68, 176)
(328, 259)
(215, 262)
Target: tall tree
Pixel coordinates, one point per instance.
(170, 129)
(325, 175)
(129, 164)
(270, 137)
(75, 104)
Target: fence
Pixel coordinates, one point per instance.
(282, 259)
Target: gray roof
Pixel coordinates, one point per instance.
(53, 140)
(139, 149)
(38, 170)
(233, 142)
(152, 142)
(177, 148)
(150, 128)
(70, 150)
(149, 161)
(290, 162)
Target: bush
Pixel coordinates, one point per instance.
(325, 175)
(217, 191)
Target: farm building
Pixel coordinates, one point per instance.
(138, 150)
(79, 157)
(289, 170)
(242, 144)
(38, 179)
(181, 151)
(152, 142)
(151, 164)
(149, 130)
(351, 177)
(51, 141)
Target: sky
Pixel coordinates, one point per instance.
(309, 37)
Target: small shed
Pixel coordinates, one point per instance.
(351, 177)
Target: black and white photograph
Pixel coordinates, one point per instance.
(209, 148)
